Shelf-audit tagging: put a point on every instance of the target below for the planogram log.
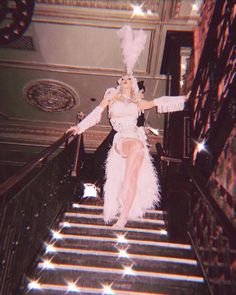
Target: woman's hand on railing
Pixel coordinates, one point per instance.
(74, 129)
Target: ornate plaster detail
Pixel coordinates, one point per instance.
(152, 5)
(50, 95)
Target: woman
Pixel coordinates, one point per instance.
(131, 185)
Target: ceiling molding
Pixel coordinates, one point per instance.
(177, 13)
(72, 69)
(98, 10)
(152, 5)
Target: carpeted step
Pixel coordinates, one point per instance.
(86, 256)
(98, 209)
(120, 278)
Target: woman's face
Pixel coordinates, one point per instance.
(126, 82)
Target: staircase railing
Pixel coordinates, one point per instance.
(213, 237)
(212, 98)
(31, 200)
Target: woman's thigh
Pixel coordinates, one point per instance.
(129, 146)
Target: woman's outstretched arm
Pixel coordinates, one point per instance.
(165, 104)
(94, 116)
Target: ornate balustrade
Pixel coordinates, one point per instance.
(213, 92)
(31, 201)
(213, 110)
(214, 239)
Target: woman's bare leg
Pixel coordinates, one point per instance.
(134, 151)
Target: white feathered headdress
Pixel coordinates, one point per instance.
(132, 44)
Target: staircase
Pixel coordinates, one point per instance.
(85, 256)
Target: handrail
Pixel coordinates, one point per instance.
(221, 217)
(170, 159)
(29, 167)
(76, 158)
(200, 264)
(79, 118)
(213, 205)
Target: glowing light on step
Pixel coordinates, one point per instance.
(90, 190)
(50, 248)
(121, 239)
(107, 290)
(163, 232)
(72, 287)
(149, 12)
(34, 285)
(123, 253)
(66, 224)
(56, 235)
(128, 271)
(47, 264)
(76, 205)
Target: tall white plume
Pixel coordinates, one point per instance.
(132, 44)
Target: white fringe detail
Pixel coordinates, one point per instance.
(167, 104)
(132, 44)
(147, 193)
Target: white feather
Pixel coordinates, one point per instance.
(132, 44)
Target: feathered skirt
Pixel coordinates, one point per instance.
(148, 188)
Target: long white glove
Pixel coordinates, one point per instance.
(166, 104)
(90, 120)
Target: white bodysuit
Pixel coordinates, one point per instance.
(123, 118)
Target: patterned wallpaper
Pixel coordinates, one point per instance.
(222, 182)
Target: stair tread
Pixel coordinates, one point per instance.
(51, 288)
(118, 288)
(95, 276)
(99, 216)
(134, 223)
(122, 238)
(102, 231)
(88, 253)
(160, 230)
(153, 264)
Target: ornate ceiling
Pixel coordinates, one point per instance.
(75, 44)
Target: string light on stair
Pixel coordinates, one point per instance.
(163, 232)
(47, 264)
(56, 235)
(90, 190)
(123, 253)
(128, 271)
(121, 239)
(107, 290)
(66, 224)
(34, 285)
(50, 248)
(72, 287)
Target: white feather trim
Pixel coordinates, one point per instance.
(132, 45)
(167, 104)
(147, 193)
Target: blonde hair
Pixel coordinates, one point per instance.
(134, 89)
